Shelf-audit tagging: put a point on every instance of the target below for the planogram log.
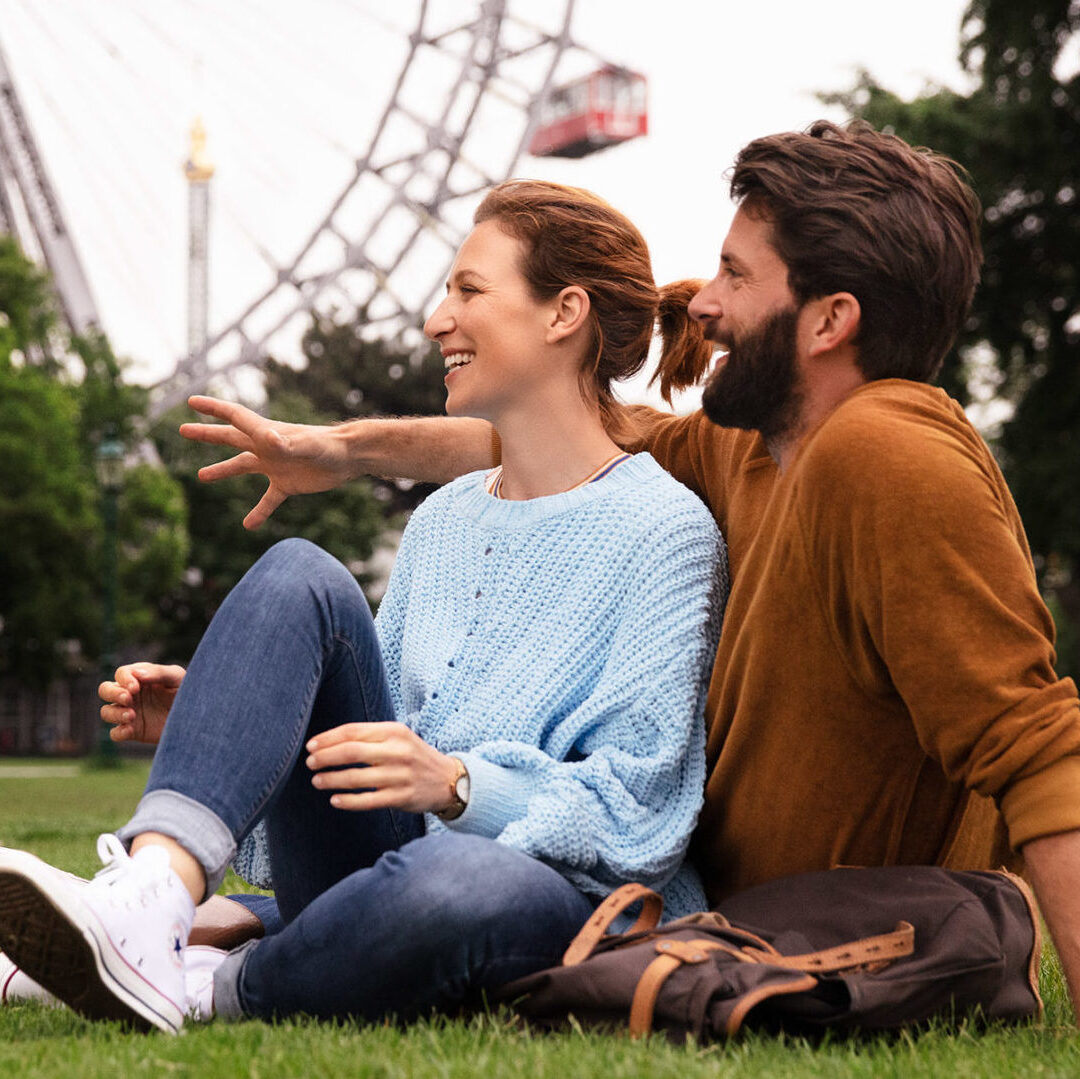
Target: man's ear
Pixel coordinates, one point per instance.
(569, 312)
(832, 321)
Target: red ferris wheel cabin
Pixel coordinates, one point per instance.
(598, 110)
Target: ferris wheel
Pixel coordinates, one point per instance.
(382, 249)
(466, 86)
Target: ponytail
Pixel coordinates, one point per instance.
(686, 352)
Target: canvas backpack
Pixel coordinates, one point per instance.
(870, 949)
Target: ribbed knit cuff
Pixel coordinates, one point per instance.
(497, 796)
(1044, 803)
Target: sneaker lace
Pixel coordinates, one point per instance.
(112, 853)
(130, 881)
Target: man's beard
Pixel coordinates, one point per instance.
(757, 386)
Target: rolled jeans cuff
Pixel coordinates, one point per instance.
(200, 831)
(227, 982)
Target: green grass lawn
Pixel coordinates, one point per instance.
(59, 816)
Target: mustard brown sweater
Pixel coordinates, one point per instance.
(885, 672)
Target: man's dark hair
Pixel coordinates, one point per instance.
(855, 210)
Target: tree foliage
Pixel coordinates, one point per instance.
(107, 404)
(153, 549)
(47, 521)
(180, 542)
(51, 424)
(25, 300)
(1018, 134)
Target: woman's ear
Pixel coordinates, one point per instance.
(833, 322)
(569, 312)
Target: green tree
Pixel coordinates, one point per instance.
(48, 521)
(154, 549)
(1018, 134)
(107, 404)
(53, 416)
(152, 515)
(25, 301)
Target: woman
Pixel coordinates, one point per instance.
(448, 792)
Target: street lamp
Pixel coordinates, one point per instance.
(109, 466)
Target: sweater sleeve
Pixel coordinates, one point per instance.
(941, 593)
(614, 790)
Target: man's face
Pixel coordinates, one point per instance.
(749, 310)
(757, 386)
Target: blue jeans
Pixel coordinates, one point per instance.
(379, 918)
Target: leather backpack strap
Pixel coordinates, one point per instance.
(765, 992)
(591, 933)
(865, 952)
(671, 954)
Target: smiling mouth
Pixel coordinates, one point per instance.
(458, 359)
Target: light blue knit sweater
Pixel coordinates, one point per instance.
(561, 648)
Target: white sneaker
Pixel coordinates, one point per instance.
(112, 948)
(15, 985)
(200, 962)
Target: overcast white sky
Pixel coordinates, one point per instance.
(289, 92)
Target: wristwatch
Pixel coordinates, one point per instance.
(459, 793)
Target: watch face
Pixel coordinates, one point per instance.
(461, 787)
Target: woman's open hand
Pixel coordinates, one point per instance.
(402, 771)
(137, 702)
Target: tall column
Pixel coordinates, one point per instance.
(199, 172)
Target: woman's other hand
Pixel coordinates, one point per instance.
(137, 702)
(395, 768)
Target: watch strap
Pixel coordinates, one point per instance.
(457, 803)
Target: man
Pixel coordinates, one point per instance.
(884, 688)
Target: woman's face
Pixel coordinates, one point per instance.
(489, 327)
